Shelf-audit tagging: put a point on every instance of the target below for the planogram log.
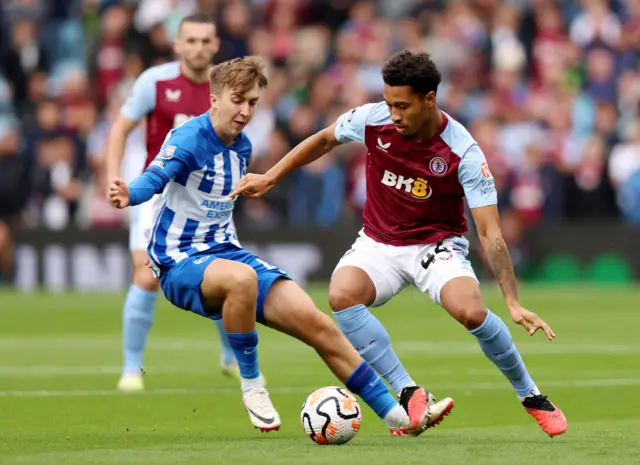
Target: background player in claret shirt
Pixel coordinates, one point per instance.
(420, 166)
(167, 96)
(202, 267)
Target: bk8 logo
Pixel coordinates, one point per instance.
(418, 188)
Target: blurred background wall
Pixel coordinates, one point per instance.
(550, 89)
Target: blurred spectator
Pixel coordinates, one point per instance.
(596, 24)
(589, 192)
(24, 56)
(59, 162)
(108, 52)
(317, 189)
(625, 156)
(14, 190)
(550, 90)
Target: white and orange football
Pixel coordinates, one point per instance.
(331, 415)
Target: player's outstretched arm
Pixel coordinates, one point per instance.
(116, 145)
(307, 151)
(138, 105)
(479, 188)
(141, 190)
(171, 160)
(487, 222)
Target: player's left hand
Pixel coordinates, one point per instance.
(530, 321)
(252, 186)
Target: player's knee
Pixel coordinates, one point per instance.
(144, 279)
(462, 299)
(342, 297)
(244, 281)
(466, 306)
(5, 237)
(238, 280)
(470, 316)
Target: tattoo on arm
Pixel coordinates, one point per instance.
(500, 262)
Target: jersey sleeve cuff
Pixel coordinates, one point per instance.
(487, 203)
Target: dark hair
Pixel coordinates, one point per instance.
(197, 18)
(416, 70)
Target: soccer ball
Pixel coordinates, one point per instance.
(331, 415)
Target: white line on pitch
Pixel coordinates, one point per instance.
(475, 386)
(429, 348)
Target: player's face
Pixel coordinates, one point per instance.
(409, 110)
(196, 45)
(234, 108)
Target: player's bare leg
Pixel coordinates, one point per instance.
(234, 287)
(290, 310)
(350, 292)
(6, 252)
(462, 299)
(137, 318)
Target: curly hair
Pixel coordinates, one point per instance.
(416, 70)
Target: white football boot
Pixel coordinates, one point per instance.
(261, 412)
(131, 381)
(431, 417)
(230, 369)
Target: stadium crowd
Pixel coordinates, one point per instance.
(550, 89)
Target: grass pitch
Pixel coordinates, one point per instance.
(60, 360)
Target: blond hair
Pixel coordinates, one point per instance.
(239, 74)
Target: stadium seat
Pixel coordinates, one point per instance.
(560, 267)
(609, 268)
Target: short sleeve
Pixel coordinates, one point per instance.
(476, 179)
(350, 126)
(142, 99)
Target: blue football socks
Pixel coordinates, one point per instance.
(245, 348)
(497, 344)
(367, 384)
(137, 319)
(371, 339)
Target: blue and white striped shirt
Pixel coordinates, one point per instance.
(196, 172)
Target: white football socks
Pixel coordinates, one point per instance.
(397, 418)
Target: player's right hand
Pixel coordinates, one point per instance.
(252, 186)
(531, 322)
(119, 193)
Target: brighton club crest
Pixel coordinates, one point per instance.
(438, 166)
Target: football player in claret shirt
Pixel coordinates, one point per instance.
(421, 165)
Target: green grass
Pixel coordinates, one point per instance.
(60, 359)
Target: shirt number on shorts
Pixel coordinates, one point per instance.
(431, 257)
(268, 266)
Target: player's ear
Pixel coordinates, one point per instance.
(176, 47)
(213, 99)
(430, 99)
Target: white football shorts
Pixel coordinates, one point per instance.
(427, 266)
(142, 221)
